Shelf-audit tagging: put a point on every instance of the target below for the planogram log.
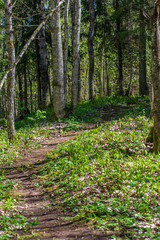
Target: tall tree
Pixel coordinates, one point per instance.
(76, 57)
(43, 61)
(142, 53)
(155, 70)
(90, 48)
(11, 75)
(119, 48)
(66, 39)
(58, 80)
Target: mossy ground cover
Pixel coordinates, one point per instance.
(106, 176)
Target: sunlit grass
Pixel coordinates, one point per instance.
(107, 176)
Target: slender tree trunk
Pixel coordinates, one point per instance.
(11, 75)
(143, 88)
(91, 49)
(120, 58)
(131, 52)
(102, 73)
(31, 92)
(66, 40)
(25, 86)
(38, 74)
(20, 94)
(107, 80)
(43, 61)
(155, 72)
(76, 58)
(58, 79)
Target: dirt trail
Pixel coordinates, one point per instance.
(37, 205)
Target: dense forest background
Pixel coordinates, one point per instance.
(114, 35)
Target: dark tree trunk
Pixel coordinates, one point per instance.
(25, 85)
(90, 48)
(120, 56)
(38, 74)
(20, 94)
(155, 71)
(143, 88)
(131, 52)
(43, 61)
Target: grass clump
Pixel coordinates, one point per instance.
(107, 176)
(10, 218)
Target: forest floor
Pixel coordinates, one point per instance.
(75, 200)
(35, 203)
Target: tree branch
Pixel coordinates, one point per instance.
(28, 43)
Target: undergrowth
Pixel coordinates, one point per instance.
(106, 176)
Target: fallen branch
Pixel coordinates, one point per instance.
(28, 43)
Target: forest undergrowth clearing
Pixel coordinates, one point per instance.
(106, 177)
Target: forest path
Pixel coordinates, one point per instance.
(36, 204)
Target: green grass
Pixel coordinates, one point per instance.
(106, 176)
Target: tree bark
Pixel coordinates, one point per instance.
(66, 40)
(43, 61)
(91, 49)
(143, 88)
(21, 105)
(25, 85)
(38, 74)
(120, 58)
(131, 52)
(58, 80)
(155, 71)
(11, 75)
(76, 57)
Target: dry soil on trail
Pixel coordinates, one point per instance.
(37, 205)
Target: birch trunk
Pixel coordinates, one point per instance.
(58, 80)
(155, 73)
(66, 40)
(90, 48)
(11, 75)
(76, 58)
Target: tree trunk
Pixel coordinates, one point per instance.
(131, 52)
(76, 58)
(21, 105)
(25, 86)
(38, 74)
(120, 58)
(155, 73)
(102, 74)
(91, 49)
(66, 41)
(143, 89)
(58, 80)
(11, 75)
(43, 61)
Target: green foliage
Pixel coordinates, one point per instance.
(10, 218)
(107, 176)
